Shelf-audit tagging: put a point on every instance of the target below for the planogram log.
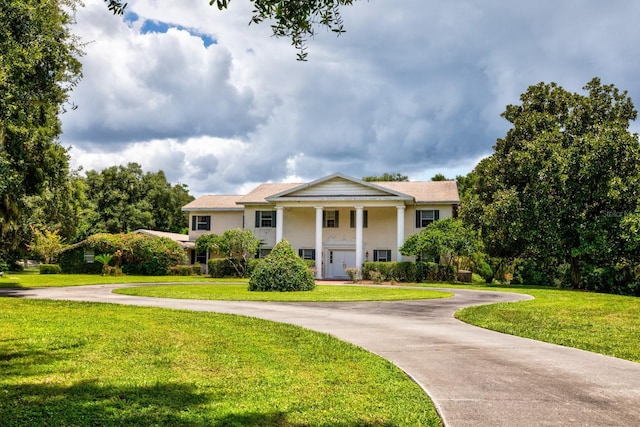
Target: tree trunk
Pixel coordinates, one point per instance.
(575, 272)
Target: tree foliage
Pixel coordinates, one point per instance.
(296, 20)
(39, 67)
(559, 184)
(236, 245)
(47, 244)
(446, 238)
(386, 177)
(124, 199)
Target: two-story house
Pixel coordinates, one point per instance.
(338, 221)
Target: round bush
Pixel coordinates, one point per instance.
(282, 270)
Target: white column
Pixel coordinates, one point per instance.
(400, 222)
(359, 245)
(279, 222)
(319, 242)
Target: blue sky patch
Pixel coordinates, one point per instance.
(151, 26)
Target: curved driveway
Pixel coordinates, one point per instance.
(475, 377)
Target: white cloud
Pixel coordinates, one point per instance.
(414, 87)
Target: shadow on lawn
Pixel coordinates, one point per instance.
(89, 403)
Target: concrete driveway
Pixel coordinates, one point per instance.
(475, 377)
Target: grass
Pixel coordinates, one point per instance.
(32, 279)
(239, 292)
(68, 363)
(602, 323)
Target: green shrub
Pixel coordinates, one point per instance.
(4, 266)
(252, 264)
(282, 270)
(182, 270)
(50, 269)
(485, 271)
(72, 262)
(220, 267)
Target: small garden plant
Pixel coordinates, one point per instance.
(282, 270)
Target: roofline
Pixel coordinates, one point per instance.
(338, 175)
(185, 209)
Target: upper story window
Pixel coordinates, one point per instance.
(352, 219)
(330, 219)
(265, 219)
(201, 222)
(426, 217)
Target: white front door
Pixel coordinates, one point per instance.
(339, 260)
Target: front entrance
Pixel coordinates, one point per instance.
(338, 261)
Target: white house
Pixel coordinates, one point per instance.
(338, 221)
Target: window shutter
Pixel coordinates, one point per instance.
(388, 255)
(208, 221)
(257, 219)
(375, 255)
(300, 253)
(193, 222)
(324, 219)
(365, 219)
(436, 215)
(273, 219)
(313, 254)
(352, 219)
(337, 223)
(418, 213)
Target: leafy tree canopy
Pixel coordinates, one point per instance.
(445, 238)
(39, 67)
(297, 20)
(386, 177)
(439, 177)
(561, 181)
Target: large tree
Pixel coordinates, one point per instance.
(38, 68)
(549, 190)
(124, 199)
(295, 19)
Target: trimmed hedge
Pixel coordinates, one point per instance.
(50, 269)
(185, 270)
(410, 272)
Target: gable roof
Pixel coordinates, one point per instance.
(213, 202)
(337, 186)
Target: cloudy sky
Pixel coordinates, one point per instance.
(413, 86)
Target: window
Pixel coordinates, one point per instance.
(352, 219)
(201, 222)
(307, 253)
(263, 252)
(330, 219)
(265, 219)
(89, 256)
(426, 217)
(199, 257)
(381, 255)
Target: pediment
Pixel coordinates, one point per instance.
(338, 186)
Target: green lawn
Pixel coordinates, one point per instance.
(67, 363)
(602, 323)
(32, 279)
(239, 292)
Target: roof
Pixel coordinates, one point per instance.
(420, 191)
(262, 191)
(214, 202)
(181, 239)
(426, 191)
